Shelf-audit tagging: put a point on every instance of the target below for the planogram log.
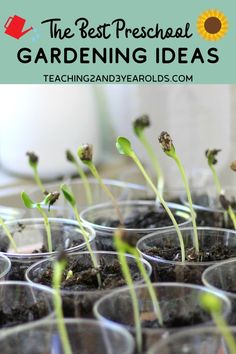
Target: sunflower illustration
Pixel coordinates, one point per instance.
(212, 25)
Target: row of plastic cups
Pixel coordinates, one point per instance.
(21, 302)
(120, 190)
(206, 204)
(178, 302)
(30, 236)
(85, 337)
(159, 248)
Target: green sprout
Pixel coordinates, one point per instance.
(212, 161)
(123, 248)
(213, 305)
(58, 270)
(85, 153)
(169, 149)
(71, 158)
(70, 198)
(129, 281)
(9, 235)
(48, 201)
(124, 147)
(33, 162)
(139, 126)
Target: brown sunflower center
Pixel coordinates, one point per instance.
(212, 25)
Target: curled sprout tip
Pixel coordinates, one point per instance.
(166, 142)
(69, 156)
(211, 156)
(33, 158)
(85, 152)
(140, 123)
(51, 199)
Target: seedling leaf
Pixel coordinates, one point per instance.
(27, 201)
(68, 195)
(124, 147)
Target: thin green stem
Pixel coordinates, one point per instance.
(216, 179)
(47, 227)
(155, 162)
(219, 191)
(9, 235)
(89, 248)
(186, 185)
(232, 216)
(225, 331)
(106, 190)
(38, 180)
(165, 206)
(150, 287)
(134, 299)
(85, 181)
(58, 308)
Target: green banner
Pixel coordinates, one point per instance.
(100, 42)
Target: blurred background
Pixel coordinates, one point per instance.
(50, 119)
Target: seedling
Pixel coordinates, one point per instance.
(123, 248)
(70, 198)
(48, 201)
(71, 158)
(139, 126)
(212, 161)
(58, 270)
(124, 147)
(129, 281)
(9, 235)
(169, 149)
(213, 304)
(85, 153)
(33, 162)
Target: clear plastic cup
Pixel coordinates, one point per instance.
(221, 277)
(21, 302)
(179, 305)
(204, 340)
(120, 190)
(30, 235)
(209, 198)
(79, 303)
(95, 216)
(8, 213)
(85, 336)
(5, 266)
(189, 271)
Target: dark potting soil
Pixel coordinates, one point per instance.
(152, 218)
(165, 272)
(10, 317)
(215, 253)
(213, 219)
(176, 320)
(84, 277)
(19, 268)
